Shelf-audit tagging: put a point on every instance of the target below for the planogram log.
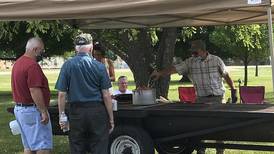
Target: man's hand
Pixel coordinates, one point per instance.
(234, 97)
(44, 117)
(37, 96)
(62, 125)
(155, 75)
(111, 122)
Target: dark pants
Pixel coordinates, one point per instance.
(88, 128)
(212, 100)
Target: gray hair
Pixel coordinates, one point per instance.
(81, 47)
(33, 42)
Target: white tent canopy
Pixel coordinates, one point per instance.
(138, 13)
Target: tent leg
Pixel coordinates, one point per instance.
(270, 34)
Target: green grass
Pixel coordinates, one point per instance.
(12, 144)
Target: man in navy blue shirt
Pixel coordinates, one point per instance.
(83, 82)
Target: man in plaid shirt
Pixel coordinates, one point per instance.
(206, 72)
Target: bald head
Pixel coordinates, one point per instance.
(33, 43)
(35, 48)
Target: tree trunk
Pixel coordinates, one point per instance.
(256, 67)
(140, 54)
(246, 73)
(140, 57)
(246, 62)
(164, 58)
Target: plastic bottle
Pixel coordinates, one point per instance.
(64, 119)
(14, 126)
(114, 105)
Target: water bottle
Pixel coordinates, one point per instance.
(114, 105)
(64, 119)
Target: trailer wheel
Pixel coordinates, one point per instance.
(130, 140)
(166, 148)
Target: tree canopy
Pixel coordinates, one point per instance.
(244, 42)
(58, 37)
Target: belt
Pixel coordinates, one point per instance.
(213, 96)
(25, 105)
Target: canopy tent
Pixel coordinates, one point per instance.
(100, 14)
(138, 13)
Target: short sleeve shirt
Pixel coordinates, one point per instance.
(117, 92)
(26, 74)
(206, 75)
(83, 78)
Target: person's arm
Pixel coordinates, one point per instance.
(62, 86)
(61, 101)
(61, 105)
(165, 72)
(37, 96)
(111, 70)
(108, 105)
(229, 81)
(223, 71)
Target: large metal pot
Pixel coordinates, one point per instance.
(144, 96)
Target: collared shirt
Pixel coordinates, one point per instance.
(206, 75)
(83, 78)
(26, 74)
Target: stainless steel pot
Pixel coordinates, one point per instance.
(144, 96)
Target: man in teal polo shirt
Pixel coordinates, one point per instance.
(84, 82)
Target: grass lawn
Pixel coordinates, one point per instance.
(12, 144)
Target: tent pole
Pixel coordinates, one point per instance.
(270, 34)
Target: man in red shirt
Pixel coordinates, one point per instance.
(31, 94)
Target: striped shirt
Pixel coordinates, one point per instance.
(206, 75)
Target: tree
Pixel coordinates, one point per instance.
(241, 41)
(143, 50)
(262, 53)
(57, 36)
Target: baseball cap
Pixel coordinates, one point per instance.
(83, 39)
(196, 45)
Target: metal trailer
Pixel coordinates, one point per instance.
(178, 128)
